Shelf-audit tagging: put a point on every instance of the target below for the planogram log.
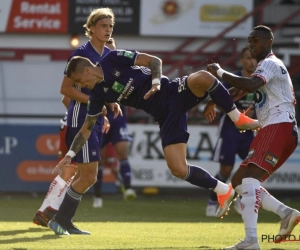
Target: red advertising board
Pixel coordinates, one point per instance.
(37, 16)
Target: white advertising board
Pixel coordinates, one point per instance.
(196, 18)
(149, 167)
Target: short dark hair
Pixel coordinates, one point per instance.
(77, 64)
(266, 30)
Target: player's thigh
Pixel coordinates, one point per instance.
(121, 149)
(199, 82)
(88, 170)
(272, 146)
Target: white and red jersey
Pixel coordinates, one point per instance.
(275, 101)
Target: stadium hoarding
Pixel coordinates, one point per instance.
(127, 15)
(28, 154)
(149, 167)
(34, 16)
(195, 18)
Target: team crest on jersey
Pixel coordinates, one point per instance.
(117, 87)
(116, 73)
(272, 159)
(129, 54)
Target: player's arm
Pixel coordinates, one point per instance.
(84, 133)
(78, 142)
(66, 101)
(248, 84)
(209, 111)
(155, 65)
(68, 89)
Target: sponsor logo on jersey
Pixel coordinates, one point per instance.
(272, 159)
(129, 54)
(127, 90)
(117, 87)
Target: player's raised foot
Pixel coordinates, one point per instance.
(245, 123)
(129, 194)
(225, 201)
(57, 228)
(244, 245)
(211, 209)
(49, 212)
(75, 230)
(40, 219)
(287, 225)
(97, 202)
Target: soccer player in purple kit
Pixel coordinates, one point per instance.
(135, 79)
(99, 27)
(119, 136)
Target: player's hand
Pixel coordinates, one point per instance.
(152, 91)
(209, 112)
(106, 125)
(64, 162)
(115, 107)
(212, 68)
(104, 111)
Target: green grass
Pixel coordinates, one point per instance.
(159, 222)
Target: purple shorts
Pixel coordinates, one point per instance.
(90, 150)
(173, 128)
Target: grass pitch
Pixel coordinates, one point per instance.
(155, 222)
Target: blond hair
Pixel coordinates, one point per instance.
(95, 16)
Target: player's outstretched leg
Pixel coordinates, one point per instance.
(287, 225)
(225, 201)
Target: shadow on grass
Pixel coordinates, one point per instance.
(143, 209)
(15, 233)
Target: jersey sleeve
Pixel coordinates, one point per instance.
(265, 70)
(124, 57)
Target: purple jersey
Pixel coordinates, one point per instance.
(127, 84)
(77, 110)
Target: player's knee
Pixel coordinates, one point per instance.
(178, 171)
(88, 179)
